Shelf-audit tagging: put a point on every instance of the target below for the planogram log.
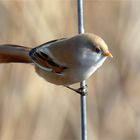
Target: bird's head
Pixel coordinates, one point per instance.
(98, 45)
(97, 49)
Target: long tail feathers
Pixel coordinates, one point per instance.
(14, 54)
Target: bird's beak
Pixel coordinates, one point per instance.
(108, 54)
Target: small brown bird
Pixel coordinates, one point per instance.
(64, 61)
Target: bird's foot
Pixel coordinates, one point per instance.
(82, 90)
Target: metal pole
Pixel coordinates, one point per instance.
(82, 83)
(80, 16)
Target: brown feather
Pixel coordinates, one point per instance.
(47, 62)
(14, 54)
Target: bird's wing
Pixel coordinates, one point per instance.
(43, 60)
(50, 42)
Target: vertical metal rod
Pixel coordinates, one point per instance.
(80, 16)
(83, 83)
(83, 114)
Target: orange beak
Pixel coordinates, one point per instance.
(108, 54)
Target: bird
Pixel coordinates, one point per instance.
(64, 61)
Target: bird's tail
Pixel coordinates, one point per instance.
(14, 54)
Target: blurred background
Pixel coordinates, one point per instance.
(33, 109)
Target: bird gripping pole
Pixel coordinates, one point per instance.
(82, 83)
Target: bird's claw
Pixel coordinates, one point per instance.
(82, 90)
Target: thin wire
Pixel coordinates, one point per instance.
(80, 16)
(83, 83)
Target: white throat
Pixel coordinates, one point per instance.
(96, 66)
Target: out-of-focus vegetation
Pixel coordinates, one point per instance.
(33, 109)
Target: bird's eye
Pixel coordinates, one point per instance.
(97, 50)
